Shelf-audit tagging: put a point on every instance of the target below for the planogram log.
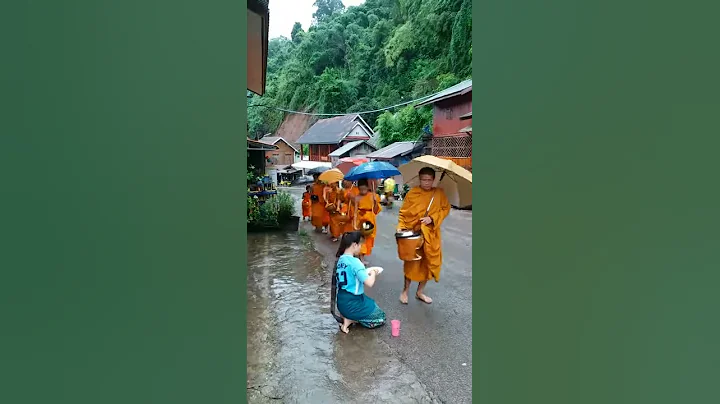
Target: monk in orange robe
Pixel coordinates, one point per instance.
(424, 209)
(367, 206)
(350, 191)
(306, 203)
(332, 198)
(319, 214)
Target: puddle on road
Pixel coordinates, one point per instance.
(295, 352)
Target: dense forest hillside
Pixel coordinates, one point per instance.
(378, 54)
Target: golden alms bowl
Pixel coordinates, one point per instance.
(367, 228)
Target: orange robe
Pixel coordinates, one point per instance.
(367, 209)
(349, 196)
(318, 207)
(413, 209)
(333, 196)
(306, 205)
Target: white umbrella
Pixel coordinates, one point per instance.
(453, 179)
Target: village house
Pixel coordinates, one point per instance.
(285, 154)
(329, 135)
(256, 151)
(257, 50)
(358, 148)
(398, 153)
(452, 124)
(280, 160)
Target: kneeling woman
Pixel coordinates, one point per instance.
(352, 276)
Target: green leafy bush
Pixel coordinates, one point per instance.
(285, 205)
(275, 210)
(253, 210)
(268, 213)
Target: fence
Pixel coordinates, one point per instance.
(455, 148)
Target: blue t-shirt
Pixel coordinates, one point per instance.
(351, 274)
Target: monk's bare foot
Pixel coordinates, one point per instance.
(404, 298)
(334, 240)
(423, 298)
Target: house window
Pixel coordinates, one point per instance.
(448, 113)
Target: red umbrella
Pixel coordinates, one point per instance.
(347, 163)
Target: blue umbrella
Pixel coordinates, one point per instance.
(373, 170)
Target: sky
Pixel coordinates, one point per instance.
(284, 13)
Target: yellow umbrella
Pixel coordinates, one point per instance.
(453, 179)
(331, 176)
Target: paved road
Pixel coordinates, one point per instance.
(436, 339)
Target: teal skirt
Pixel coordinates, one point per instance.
(360, 308)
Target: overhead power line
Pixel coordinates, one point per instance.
(289, 111)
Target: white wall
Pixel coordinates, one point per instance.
(359, 131)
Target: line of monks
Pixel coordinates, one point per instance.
(337, 209)
(347, 208)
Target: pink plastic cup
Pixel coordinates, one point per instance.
(395, 328)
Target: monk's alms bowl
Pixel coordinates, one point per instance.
(367, 228)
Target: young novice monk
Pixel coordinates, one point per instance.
(352, 276)
(332, 198)
(319, 213)
(306, 203)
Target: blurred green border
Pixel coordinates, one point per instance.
(596, 249)
(123, 251)
(124, 193)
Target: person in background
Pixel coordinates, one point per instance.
(367, 207)
(319, 214)
(352, 277)
(424, 209)
(306, 203)
(389, 188)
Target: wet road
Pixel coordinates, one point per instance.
(296, 353)
(309, 361)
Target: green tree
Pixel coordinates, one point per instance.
(326, 8)
(380, 53)
(406, 125)
(460, 59)
(297, 33)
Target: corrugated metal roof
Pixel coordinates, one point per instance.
(466, 116)
(346, 148)
(256, 144)
(467, 129)
(458, 89)
(330, 130)
(396, 149)
(374, 141)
